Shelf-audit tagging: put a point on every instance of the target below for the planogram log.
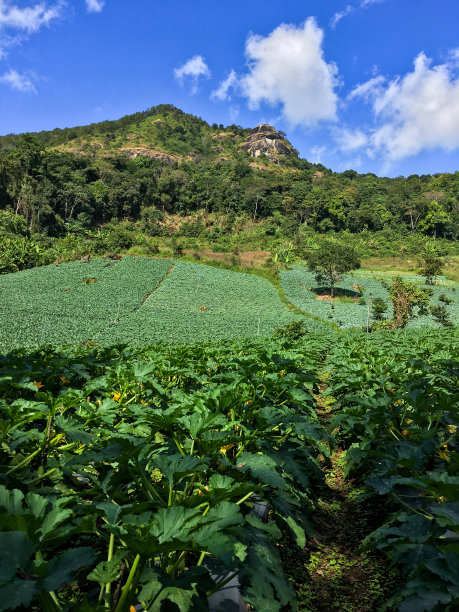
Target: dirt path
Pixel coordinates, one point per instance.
(331, 573)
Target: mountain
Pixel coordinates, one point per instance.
(167, 134)
(164, 161)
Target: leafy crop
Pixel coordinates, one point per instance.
(397, 402)
(111, 302)
(301, 289)
(149, 463)
(55, 304)
(199, 302)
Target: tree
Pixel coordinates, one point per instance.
(330, 260)
(440, 314)
(432, 266)
(378, 309)
(405, 297)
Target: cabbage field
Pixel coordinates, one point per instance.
(135, 300)
(301, 288)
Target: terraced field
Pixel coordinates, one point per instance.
(135, 300)
(302, 290)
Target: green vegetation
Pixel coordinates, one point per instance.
(57, 304)
(330, 260)
(149, 460)
(349, 307)
(131, 459)
(149, 464)
(163, 162)
(396, 407)
(137, 300)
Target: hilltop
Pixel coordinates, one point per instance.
(167, 134)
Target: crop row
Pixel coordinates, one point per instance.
(112, 302)
(198, 302)
(397, 413)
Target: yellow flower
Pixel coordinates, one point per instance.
(116, 397)
(39, 385)
(408, 421)
(444, 456)
(64, 379)
(405, 432)
(247, 402)
(226, 448)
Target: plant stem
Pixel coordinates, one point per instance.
(242, 500)
(23, 462)
(108, 586)
(125, 590)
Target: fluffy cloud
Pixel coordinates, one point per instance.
(193, 69)
(18, 81)
(30, 19)
(95, 6)
(349, 140)
(287, 67)
(222, 93)
(417, 111)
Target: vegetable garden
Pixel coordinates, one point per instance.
(130, 472)
(135, 300)
(128, 475)
(351, 308)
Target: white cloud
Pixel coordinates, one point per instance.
(419, 111)
(368, 90)
(287, 67)
(29, 19)
(193, 69)
(339, 15)
(222, 92)
(349, 140)
(95, 6)
(15, 80)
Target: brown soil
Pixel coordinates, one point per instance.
(248, 259)
(327, 298)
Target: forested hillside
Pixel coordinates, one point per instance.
(163, 161)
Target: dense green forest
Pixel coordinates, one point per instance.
(83, 178)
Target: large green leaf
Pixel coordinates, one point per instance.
(15, 552)
(107, 571)
(60, 570)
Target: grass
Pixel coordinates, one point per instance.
(399, 265)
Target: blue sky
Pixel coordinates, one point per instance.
(371, 85)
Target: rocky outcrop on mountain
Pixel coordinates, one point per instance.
(223, 135)
(134, 152)
(265, 139)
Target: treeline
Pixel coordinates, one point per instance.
(53, 191)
